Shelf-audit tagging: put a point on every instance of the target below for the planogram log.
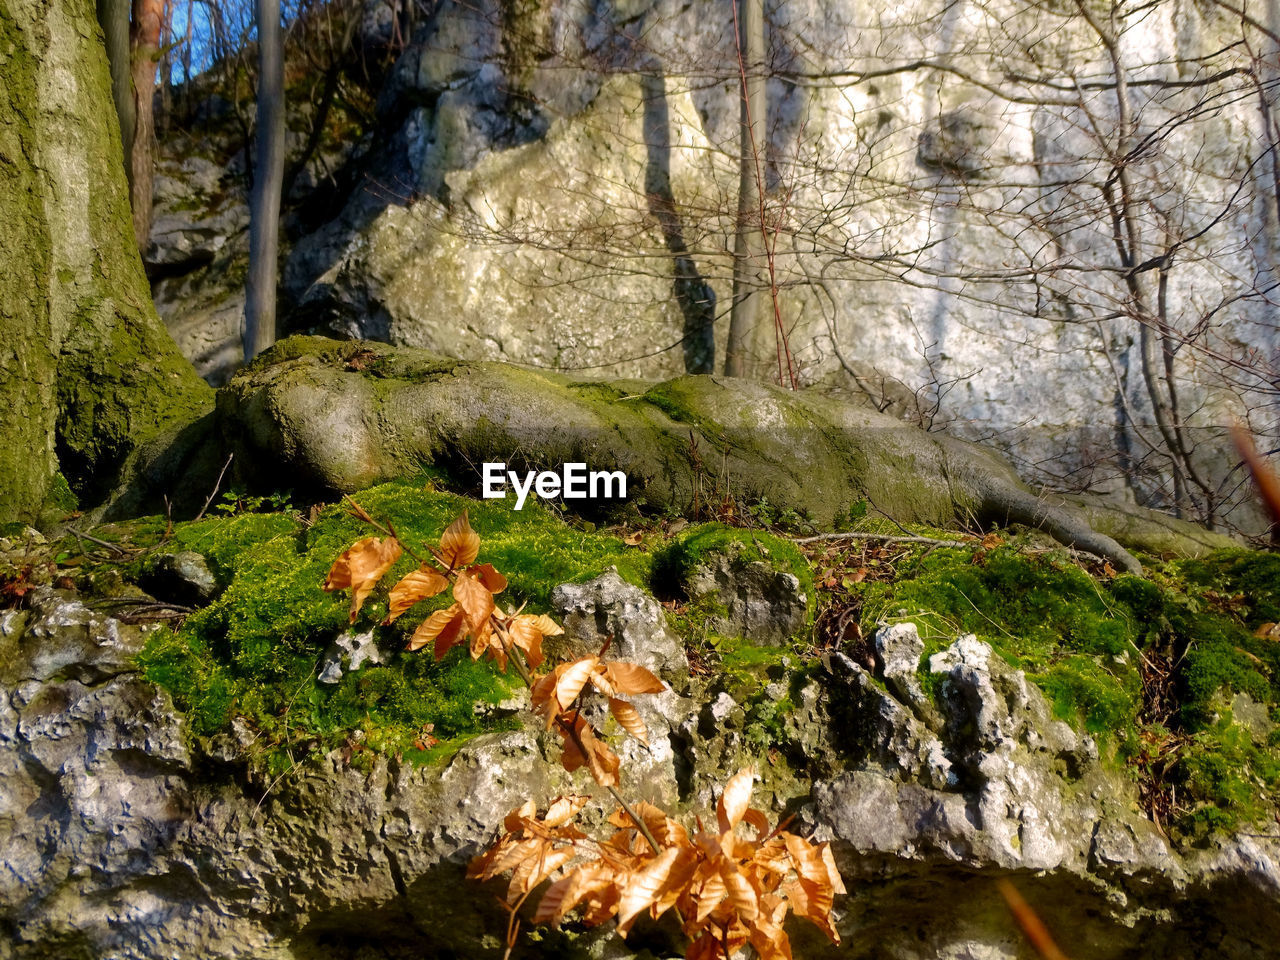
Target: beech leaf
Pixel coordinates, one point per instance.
(493, 581)
(571, 678)
(628, 718)
(594, 880)
(419, 585)
(735, 800)
(476, 600)
(360, 567)
(599, 759)
(630, 678)
(564, 809)
(443, 626)
(527, 632)
(644, 887)
(459, 545)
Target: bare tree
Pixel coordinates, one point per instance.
(748, 246)
(264, 204)
(144, 56)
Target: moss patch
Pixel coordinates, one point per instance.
(255, 652)
(673, 563)
(1148, 666)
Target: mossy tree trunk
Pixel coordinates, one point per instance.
(89, 371)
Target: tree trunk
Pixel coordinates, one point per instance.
(743, 350)
(89, 371)
(148, 22)
(113, 17)
(268, 176)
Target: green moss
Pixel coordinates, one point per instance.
(255, 652)
(1084, 641)
(673, 564)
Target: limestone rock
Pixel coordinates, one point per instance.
(182, 577)
(122, 836)
(762, 603)
(350, 649)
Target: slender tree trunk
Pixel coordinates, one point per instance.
(148, 23)
(742, 352)
(264, 204)
(113, 17)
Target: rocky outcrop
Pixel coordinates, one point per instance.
(121, 835)
(555, 183)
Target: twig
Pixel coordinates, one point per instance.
(102, 543)
(889, 537)
(571, 734)
(389, 529)
(216, 486)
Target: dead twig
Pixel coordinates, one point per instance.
(217, 485)
(887, 537)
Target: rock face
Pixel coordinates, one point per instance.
(559, 182)
(119, 838)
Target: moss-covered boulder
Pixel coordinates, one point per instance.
(340, 416)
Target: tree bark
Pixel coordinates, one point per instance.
(89, 372)
(144, 41)
(268, 177)
(113, 17)
(742, 351)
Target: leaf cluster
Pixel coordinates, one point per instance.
(731, 886)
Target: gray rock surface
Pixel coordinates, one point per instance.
(762, 603)
(348, 652)
(182, 577)
(122, 837)
(607, 607)
(539, 162)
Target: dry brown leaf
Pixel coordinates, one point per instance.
(628, 718)
(484, 639)
(476, 600)
(493, 581)
(459, 545)
(564, 809)
(596, 881)
(645, 886)
(419, 585)
(736, 799)
(602, 762)
(741, 894)
(540, 693)
(360, 567)
(527, 631)
(443, 626)
(631, 678)
(570, 679)
(533, 870)
(668, 832)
